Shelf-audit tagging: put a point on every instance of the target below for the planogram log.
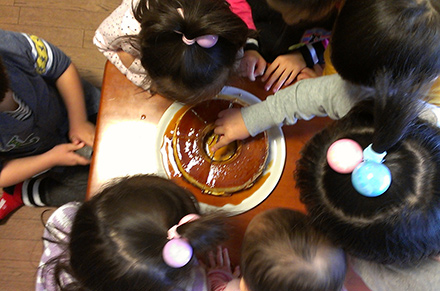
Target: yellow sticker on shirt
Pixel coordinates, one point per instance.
(41, 54)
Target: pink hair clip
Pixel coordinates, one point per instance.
(205, 41)
(177, 252)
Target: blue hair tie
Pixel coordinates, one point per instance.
(370, 177)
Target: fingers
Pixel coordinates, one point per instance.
(236, 272)
(250, 69)
(220, 261)
(211, 259)
(222, 141)
(75, 145)
(226, 258)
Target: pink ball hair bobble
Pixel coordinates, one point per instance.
(177, 253)
(344, 155)
(207, 41)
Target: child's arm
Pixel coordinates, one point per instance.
(303, 100)
(17, 170)
(110, 38)
(70, 87)
(324, 96)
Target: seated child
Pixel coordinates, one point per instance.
(281, 250)
(381, 204)
(140, 233)
(380, 48)
(183, 50)
(45, 110)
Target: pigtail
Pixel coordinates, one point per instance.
(396, 106)
(205, 233)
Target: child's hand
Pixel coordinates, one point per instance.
(83, 132)
(252, 65)
(229, 126)
(283, 71)
(222, 262)
(64, 155)
(308, 73)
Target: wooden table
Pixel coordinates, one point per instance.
(127, 123)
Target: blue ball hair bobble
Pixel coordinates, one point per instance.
(370, 177)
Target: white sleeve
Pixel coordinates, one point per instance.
(111, 37)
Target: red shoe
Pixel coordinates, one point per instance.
(9, 203)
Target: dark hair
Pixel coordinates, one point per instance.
(313, 6)
(4, 81)
(401, 225)
(117, 237)
(189, 73)
(281, 250)
(397, 35)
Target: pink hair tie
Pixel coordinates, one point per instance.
(205, 41)
(177, 252)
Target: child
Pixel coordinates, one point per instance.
(385, 213)
(281, 250)
(44, 120)
(288, 43)
(183, 50)
(398, 53)
(140, 233)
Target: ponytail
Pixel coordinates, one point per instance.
(396, 106)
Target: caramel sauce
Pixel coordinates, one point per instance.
(173, 172)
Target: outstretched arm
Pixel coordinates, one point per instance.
(324, 96)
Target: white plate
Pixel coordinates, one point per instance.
(275, 161)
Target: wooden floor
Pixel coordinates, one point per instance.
(69, 24)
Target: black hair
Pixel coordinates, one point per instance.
(396, 35)
(117, 236)
(282, 250)
(313, 6)
(4, 81)
(401, 225)
(189, 73)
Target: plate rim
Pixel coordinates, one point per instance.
(277, 156)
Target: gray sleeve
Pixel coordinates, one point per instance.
(324, 96)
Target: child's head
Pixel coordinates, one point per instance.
(304, 11)
(189, 48)
(4, 81)
(281, 250)
(401, 225)
(118, 236)
(401, 36)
